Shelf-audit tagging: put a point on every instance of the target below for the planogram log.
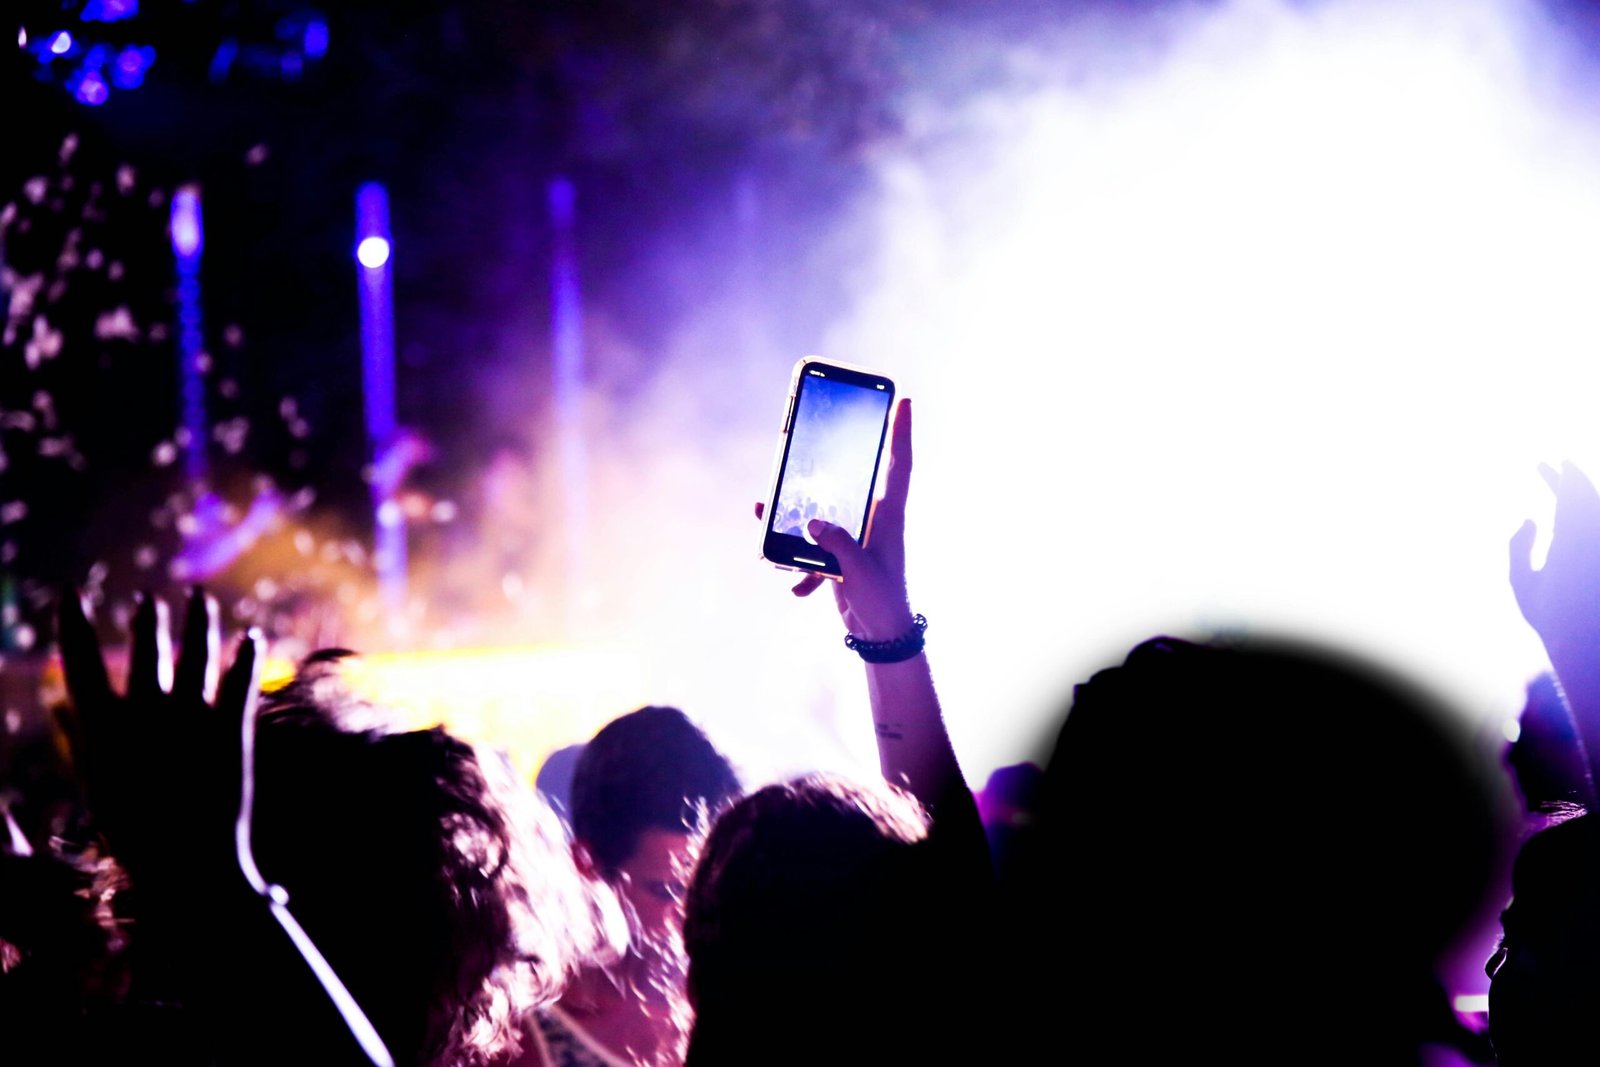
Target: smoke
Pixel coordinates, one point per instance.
(1234, 317)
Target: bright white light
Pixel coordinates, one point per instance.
(1267, 331)
(372, 252)
(188, 236)
(61, 44)
(22, 36)
(1288, 317)
(1511, 729)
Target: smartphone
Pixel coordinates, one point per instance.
(828, 460)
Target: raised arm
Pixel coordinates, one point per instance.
(914, 747)
(1561, 600)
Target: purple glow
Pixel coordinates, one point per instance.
(566, 341)
(213, 545)
(128, 71)
(372, 252)
(188, 238)
(315, 41)
(377, 381)
(109, 10)
(61, 43)
(222, 60)
(22, 37)
(91, 89)
(188, 234)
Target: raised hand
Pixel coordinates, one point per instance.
(161, 764)
(1561, 600)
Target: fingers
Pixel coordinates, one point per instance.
(836, 540)
(1575, 492)
(900, 445)
(808, 585)
(761, 509)
(1551, 477)
(1522, 572)
(150, 662)
(242, 684)
(81, 662)
(198, 660)
(889, 512)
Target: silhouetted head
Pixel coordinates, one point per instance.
(816, 931)
(644, 784)
(1261, 850)
(1545, 977)
(437, 886)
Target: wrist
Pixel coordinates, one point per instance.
(886, 628)
(901, 646)
(880, 618)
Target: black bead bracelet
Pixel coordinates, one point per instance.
(895, 649)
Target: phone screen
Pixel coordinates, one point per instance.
(830, 462)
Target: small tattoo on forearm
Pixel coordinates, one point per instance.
(890, 731)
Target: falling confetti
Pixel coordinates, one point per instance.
(117, 324)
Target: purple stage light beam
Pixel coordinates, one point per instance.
(188, 242)
(211, 544)
(373, 250)
(566, 344)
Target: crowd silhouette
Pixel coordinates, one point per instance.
(1258, 850)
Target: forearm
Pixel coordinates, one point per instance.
(914, 751)
(914, 748)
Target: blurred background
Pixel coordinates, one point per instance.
(458, 332)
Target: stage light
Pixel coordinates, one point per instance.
(567, 372)
(128, 71)
(22, 36)
(378, 388)
(188, 234)
(372, 252)
(188, 239)
(90, 88)
(61, 43)
(109, 10)
(314, 43)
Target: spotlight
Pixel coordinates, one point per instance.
(187, 234)
(372, 252)
(61, 43)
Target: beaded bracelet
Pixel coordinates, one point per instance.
(895, 649)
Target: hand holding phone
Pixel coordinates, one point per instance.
(872, 595)
(828, 462)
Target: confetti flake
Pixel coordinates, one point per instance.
(117, 324)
